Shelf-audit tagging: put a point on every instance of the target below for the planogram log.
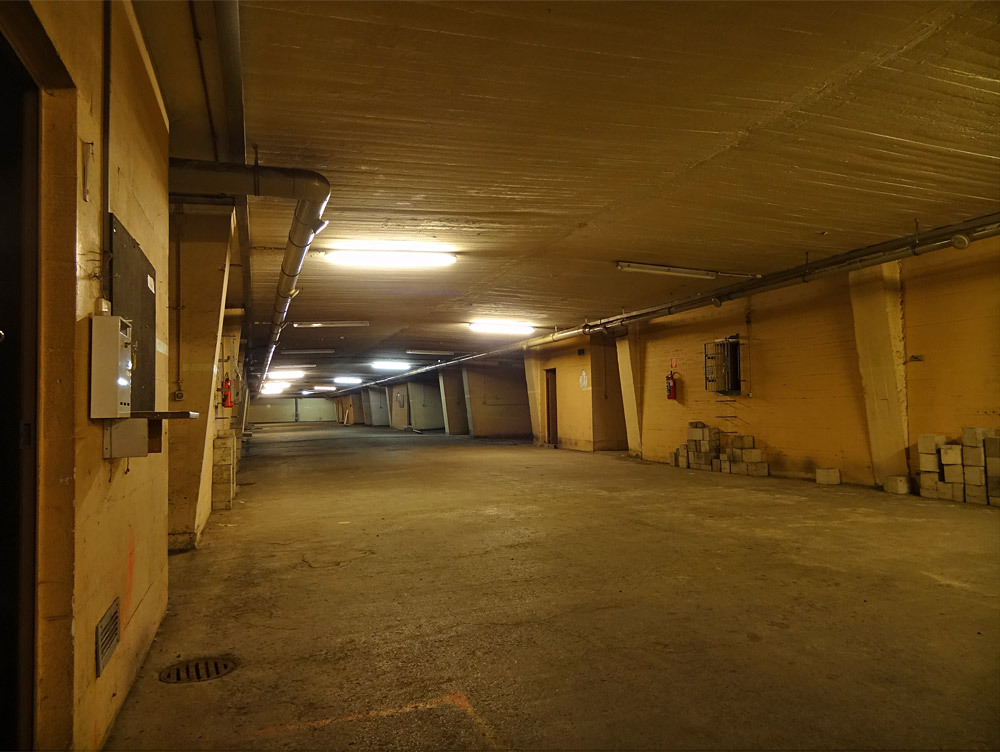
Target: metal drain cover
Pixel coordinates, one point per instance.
(197, 670)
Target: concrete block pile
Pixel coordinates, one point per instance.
(708, 448)
(968, 471)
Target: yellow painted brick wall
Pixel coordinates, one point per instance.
(807, 407)
(951, 317)
(119, 514)
(574, 405)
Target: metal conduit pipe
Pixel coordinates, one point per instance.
(216, 180)
(952, 236)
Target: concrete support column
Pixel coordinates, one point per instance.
(366, 403)
(876, 300)
(534, 377)
(456, 415)
(630, 374)
(200, 247)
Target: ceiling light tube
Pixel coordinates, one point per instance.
(671, 271)
(678, 271)
(324, 388)
(429, 352)
(391, 259)
(277, 375)
(390, 365)
(326, 324)
(347, 380)
(501, 327)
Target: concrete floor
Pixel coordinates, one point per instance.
(388, 590)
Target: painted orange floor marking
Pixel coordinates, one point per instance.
(456, 699)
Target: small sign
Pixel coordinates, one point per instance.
(150, 283)
(673, 362)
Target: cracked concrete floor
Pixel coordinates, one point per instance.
(390, 590)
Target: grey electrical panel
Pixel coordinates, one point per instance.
(133, 297)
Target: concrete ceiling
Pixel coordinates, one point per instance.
(548, 140)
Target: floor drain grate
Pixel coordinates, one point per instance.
(198, 670)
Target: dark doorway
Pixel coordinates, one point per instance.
(551, 411)
(18, 352)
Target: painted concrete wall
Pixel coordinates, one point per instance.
(316, 409)
(102, 524)
(589, 410)
(453, 407)
(284, 410)
(425, 406)
(951, 317)
(399, 406)
(497, 401)
(277, 410)
(379, 404)
(806, 400)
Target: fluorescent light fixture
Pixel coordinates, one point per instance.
(429, 352)
(293, 366)
(306, 391)
(347, 380)
(279, 374)
(677, 271)
(501, 327)
(401, 246)
(390, 365)
(391, 259)
(323, 388)
(274, 387)
(326, 324)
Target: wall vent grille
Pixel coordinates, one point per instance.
(107, 634)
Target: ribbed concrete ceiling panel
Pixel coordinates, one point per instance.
(547, 140)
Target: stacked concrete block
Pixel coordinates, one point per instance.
(897, 484)
(709, 448)
(960, 471)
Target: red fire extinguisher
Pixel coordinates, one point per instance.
(671, 386)
(227, 392)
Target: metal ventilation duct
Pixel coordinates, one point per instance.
(310, 189)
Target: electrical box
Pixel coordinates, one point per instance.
(110, 367)
(722, 366)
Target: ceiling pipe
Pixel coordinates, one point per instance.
(951, 236)
(311, 190)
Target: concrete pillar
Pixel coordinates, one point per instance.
(876, 300)
(224, 446)
(496, 399)
(200, 248)
(366, 403)
(453, 407)
(630, 375)
(379, 404)
(534, 376)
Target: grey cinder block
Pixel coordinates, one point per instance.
(951, 454)
(928, 443)
(929, 463)
(897, 484)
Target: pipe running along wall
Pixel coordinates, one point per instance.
(191, 178)
(959, 236)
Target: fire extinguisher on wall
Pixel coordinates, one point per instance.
(227, 392)
(672, 386)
